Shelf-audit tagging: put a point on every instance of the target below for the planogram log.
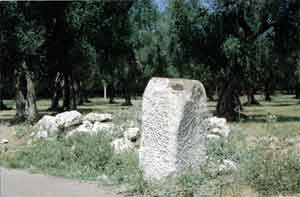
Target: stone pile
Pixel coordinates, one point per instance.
(71, 123)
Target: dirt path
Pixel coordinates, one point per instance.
(16, 183)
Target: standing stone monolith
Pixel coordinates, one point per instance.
(173, 131)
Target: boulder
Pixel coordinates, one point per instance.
(173, 131)
(4, 141)
(86, 127)
(98, 117)
(103, 127)
(47, 126)
(213, 137)
(228, 166)
(68, 119)
(43, 134)
(122, 145)
(218, 126)
(132, 134)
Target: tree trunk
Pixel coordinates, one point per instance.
(298, 90)
(251, 98)
(31, 109)
(80, 93)
(67, 92)
(20, 97)
(229, 105)
(127, 95)
(268, 91)
(56, 92)
(26, 108)
(74, 92)
(104, 92)
(2, 106)
(111, 91)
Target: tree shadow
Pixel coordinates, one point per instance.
(281, 105)
(263, 119)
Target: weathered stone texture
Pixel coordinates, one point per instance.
(173, 130)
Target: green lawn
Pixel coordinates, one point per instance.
(284, 107)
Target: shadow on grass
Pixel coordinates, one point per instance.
(280, 119)
(280, 105)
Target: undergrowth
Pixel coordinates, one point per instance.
(268, 166)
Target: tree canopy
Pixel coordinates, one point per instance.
(70, 50)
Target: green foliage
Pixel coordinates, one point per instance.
(83, 156)
(272, 171)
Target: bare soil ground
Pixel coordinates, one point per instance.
(16, 183)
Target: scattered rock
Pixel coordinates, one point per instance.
(4, 141)
(43, 134)
(98, 117)
(103, 127)
(122, 145)
(218, 126)
(132, 134)
(68, 119)
(85, 127)
(213, 137)
(228, 166)
(47, 126)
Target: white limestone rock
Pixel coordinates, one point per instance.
(85, 128)
(173, 131)
(4, 141)
(218, 126)
(98, 117)
(68, 119)
(103, 127)
(132, 134)
(47, 126)
(43, 134)
(228, 166)
(122, 145)
(213, 137)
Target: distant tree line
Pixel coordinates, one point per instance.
(67, 50)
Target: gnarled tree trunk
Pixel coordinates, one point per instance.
(111, 93)
(268, 91)
(74, 92)
(31, 109)
(251, 98)
(127, 95)
(66, 93)
(20, 97)
(56, 92)
(2, 106)
(26, 108)
(229, 104)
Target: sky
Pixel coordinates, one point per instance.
(162, 3)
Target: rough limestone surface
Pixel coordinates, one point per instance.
(173, 131)
(85, 128)
(68, 119)
(132, 134)
(47, 126)
(218, 126)
(98, 117)
(121, 145)
(106, 127)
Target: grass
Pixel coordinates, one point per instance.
(269, 163)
